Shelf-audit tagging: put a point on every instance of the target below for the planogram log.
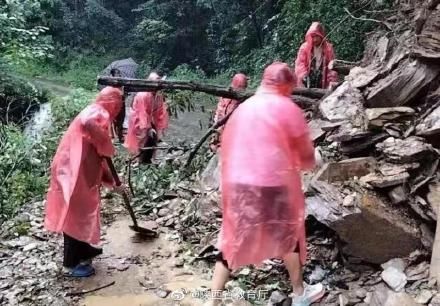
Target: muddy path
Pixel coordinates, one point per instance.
(142, 272)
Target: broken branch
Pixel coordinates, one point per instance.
(368, 19)
(82, 292)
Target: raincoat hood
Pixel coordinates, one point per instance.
(279, 77)
(110, 98)
(239, 81)
(153, 76)
(315, 29)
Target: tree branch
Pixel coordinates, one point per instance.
(368, 19)
(137, 85)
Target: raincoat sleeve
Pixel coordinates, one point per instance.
(332, 76)
(302, 64)
(220, 110)
(95, 125)
(162, 117)
(299, 139)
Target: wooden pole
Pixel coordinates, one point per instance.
(136, 85)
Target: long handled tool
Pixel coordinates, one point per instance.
(135, 227)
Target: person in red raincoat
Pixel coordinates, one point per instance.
(225, 106)
(265, 145)
(148, 120)
(77, 172)
(313, 59)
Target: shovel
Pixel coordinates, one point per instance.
(135, 227)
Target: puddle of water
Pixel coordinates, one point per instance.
(157, 264)
(123, 242)
(191, 285)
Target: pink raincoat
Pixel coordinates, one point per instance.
(148, 109)
(78, 169)
(265, 145)
(304, 57)
(225, 106)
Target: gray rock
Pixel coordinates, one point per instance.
(435, 300)
(430, 125)
(277, 298)
(404, 150)
(424, 297)
(378, 117)
(317, 275)
(394, 278)
(210, 179)
(383, 296)
(396, 263)
(345, 103)
(163, 212)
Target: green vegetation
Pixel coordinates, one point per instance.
(24, 166)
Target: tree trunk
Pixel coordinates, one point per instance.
(136, 85)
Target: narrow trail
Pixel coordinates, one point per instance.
(55, 87)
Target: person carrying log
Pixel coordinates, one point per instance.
(313, 59)
(265, 145)
(118, 123)
(77, 172)
(225, 106)
(148, 120)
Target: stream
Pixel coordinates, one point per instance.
(42, 119)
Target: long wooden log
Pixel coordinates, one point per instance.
(305, 98)
(342, 67)
(136, 85)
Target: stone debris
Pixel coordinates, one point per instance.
(394, 278)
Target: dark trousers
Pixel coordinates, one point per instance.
(76, 251)
(146, 156)
(119, 124)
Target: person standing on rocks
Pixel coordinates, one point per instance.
(77, 172)
(265, 145)
(148, 120)
(313, 59)
(225, 106)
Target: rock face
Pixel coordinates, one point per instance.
(382, 296)
(402, 85)
(406, 150)
(378, 117)
(346, 169)
(371, 230)
(394, 278)
(430, 125)
(345, 103)
(210, 178)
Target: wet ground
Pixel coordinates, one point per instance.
(142, 271)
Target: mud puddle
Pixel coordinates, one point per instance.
(142, 270)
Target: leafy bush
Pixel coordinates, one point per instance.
(24, 167)
(21, 38)
(20, 170)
